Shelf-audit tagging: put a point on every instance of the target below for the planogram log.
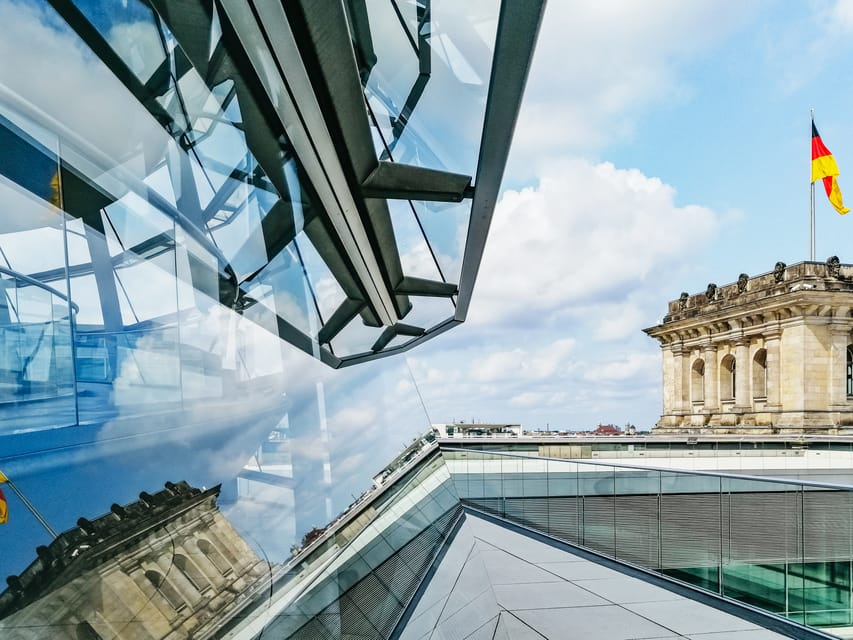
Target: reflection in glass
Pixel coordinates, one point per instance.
(159, 239)
(168, 560)
(412, 74)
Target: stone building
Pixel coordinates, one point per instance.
(169, 566)
(771, 353)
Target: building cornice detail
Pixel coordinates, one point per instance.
(807, 290)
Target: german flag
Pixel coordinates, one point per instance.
(824, 168)
(4, 507)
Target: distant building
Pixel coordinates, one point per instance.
(606, 430)
(167, 566)
(766, 354)
(467, 429)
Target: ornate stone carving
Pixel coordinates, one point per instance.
(800, 317)
(833, 266)
(682, 300)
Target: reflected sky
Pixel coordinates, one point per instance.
(172, 264)
(174, 290)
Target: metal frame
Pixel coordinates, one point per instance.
(301, 77)
(295, 103)
(518, 28)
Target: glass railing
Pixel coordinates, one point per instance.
(357, 575)
(783, 546)
(36, 370)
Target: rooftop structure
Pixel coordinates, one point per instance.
(461, 540)
(766, 354)
(469, 429)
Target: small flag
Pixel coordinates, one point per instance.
(4, 509)
(824, 167)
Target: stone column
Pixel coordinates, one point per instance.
(773, 364)
(839, 336)
(742, 375)
(711, 383)
(679, 393)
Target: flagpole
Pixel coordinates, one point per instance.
(4, 479)
(811, 199)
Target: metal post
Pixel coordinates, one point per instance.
(811, 199)
(30, 507)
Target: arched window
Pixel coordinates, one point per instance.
(759, 373)
(166, 588)
(850, 369)
(697, 381)
(727, 378)
(214, 556)
(192, 572)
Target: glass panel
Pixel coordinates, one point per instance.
(325, 288)
(638, 516)
(446, 228)
(407, 91)
(396, 69)
(355, 338)
(132, 33)
(283, 288)
(564, 503)
(415, 254)
(429, 312)
(597, 485)
(691, 528)
(36, 372)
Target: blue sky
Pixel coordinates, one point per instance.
(661, 146)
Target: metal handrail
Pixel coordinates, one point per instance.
(711, 474)
(40, 285)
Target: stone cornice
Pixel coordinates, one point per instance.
(94, 542)
(805, 290)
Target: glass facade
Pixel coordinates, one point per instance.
(784, 547)
(210, 208)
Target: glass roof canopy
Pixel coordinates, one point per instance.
(204, 203)
(301, 167)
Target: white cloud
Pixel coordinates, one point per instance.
(644, 366)
(527, 399)
(587, 234)
(60, 76)
(618, 321)
(522, 364)
(599, 64)
(842, 14)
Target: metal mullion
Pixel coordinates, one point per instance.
(429, 246)
(101, 48)
(518, 27)
(311, 140)
(402, 21)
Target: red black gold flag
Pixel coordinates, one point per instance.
(4, 507)
(824, 167)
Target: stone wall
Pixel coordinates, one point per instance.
(763, 354)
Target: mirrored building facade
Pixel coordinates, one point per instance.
(210, 210)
